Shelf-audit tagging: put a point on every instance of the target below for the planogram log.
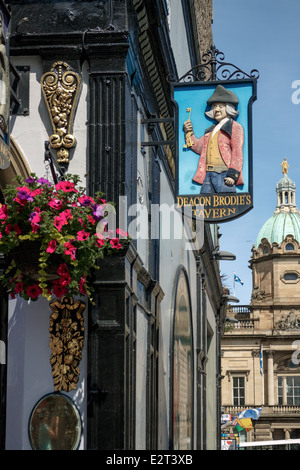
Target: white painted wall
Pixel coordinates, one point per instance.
(29, 375)
(31, 132)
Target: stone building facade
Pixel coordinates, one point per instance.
(149, 374)
(260, 360)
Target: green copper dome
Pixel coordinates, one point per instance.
(277, 227)
(286, 218)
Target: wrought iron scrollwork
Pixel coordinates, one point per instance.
(213, 68)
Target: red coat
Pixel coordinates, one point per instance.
(230, 141)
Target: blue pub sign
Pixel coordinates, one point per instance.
(213, 122)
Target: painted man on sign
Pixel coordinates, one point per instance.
(221, 147)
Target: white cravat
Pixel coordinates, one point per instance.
(219, 125)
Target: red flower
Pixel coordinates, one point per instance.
(58, 290)
(34, 291)
(19, 287)
(63, 270)
(64, 281)
(82, 285)
(9, 228)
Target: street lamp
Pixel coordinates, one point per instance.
(223, 255)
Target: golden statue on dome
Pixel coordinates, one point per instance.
(285, 166)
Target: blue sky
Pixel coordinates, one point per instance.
(263, 35)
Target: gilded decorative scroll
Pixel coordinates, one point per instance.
(60, 89)
(66, 342)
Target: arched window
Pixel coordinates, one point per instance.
(183, 378)
(289, 247)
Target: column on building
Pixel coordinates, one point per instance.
(258, 395)
(270, 355)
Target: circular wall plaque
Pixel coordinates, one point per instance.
(55, 424)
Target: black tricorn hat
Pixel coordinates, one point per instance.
(222, 95)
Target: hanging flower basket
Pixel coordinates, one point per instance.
(53, 236)
(26, 258)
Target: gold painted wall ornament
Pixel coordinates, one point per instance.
(60, 89)
(66, 342)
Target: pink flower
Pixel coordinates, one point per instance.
(67, 214)
(36, 192)
(51, 246)
(55, 203)
(122, 233)
(35, 219)
(23, 196)
(66, 186)
(3, 212)
(33, 291)
(82, 235)
(100, 242)
(70, 250)
(59, 222)
(115, 243)
(86, 201)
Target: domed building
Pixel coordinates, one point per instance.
(260, 348)
(275, 255)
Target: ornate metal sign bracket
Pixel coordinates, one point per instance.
(213, 68)
(60, 89)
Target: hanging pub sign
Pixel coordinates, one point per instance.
(213, 123)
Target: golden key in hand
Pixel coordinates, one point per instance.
(189, 142)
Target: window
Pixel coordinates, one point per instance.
(289, 247)
(265, 250)
(238, 391)
(290, 276)
(289, 390)
(183, 379)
